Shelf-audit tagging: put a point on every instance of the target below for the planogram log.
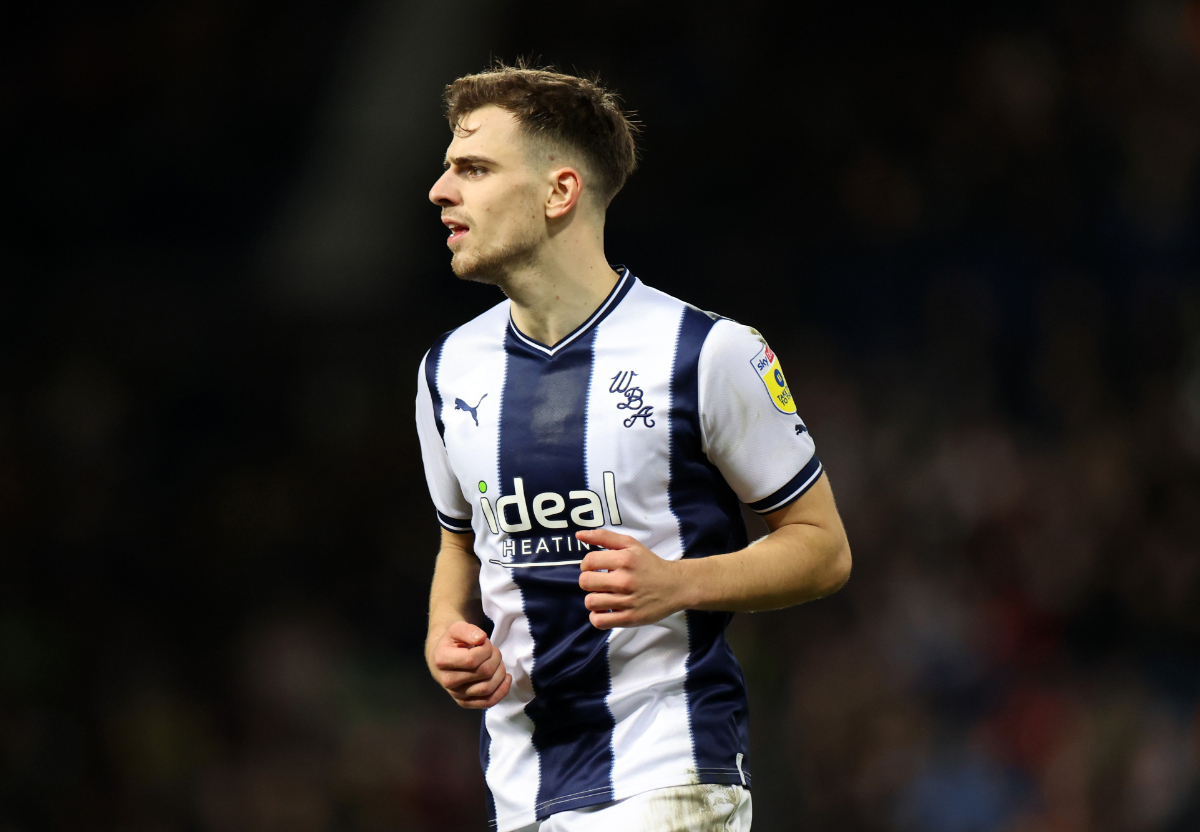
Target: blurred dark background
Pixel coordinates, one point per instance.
(970, 230)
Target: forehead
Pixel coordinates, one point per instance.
(488, 130)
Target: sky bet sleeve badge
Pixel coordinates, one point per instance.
(766, 364)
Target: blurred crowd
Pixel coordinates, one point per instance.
(969, 233)
(1018, 650)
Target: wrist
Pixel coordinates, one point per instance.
(437, 630)
(691, 582)
(430, 647)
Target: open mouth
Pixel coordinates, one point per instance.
(457, 231)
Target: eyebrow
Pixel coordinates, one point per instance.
(466, 161)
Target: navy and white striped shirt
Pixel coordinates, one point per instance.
(652, 419)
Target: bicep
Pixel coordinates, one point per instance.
(456, 576)
(462, 544)
(815, 507)
(457, 554)
(811, 545)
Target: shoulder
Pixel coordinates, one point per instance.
(737, 362)
(480, 332)
(705, 343)
(457, 346)
(728, 337)
(647, 297)
(696, 326)
(733, 347)
(712, 332)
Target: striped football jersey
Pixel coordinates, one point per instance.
(652, 419)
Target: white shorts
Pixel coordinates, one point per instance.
(674, 809)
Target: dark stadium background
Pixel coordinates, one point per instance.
(970, 230)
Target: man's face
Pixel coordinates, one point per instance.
(491, 197)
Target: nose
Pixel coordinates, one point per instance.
(443, 193)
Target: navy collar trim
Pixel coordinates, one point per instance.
(618, 293)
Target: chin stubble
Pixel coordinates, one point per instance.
(493, 266)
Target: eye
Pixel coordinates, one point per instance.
(474, 171)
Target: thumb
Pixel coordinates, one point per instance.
(467, 633)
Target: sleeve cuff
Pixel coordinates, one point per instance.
(453, 524)
(792, 491)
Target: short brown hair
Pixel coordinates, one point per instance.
(575, 113)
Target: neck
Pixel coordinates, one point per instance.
(560, 289)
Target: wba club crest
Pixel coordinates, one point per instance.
(766, 364)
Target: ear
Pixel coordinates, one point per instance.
(566, 188)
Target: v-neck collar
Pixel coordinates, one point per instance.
(615, 296)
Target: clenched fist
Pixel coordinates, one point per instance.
(627, 585)
(466, 663)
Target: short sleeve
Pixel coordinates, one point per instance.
(748, 420)
(453, 511)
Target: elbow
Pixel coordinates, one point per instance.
(838, 572)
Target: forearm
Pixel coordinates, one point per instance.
(793, 564)
(805, 556)
(454, 593)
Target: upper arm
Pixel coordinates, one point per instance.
(459, 543)
(455, 590)
(814, 508)
(457, 565)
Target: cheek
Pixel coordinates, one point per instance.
(515, 214)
